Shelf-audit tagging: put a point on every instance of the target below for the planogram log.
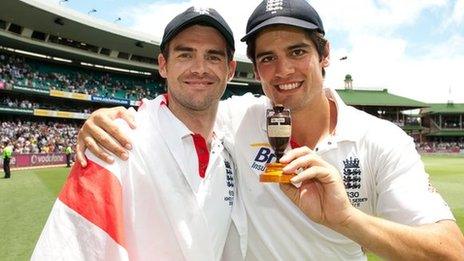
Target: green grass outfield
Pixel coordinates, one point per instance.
(27, 198)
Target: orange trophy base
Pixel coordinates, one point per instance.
(273, 173)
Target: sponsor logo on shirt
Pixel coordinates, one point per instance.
(262, 157)
(230, 182)
(352, 180)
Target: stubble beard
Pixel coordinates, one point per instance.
(195, 102)
(190, 103)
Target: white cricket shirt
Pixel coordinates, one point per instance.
(215, 192)
(381, 170)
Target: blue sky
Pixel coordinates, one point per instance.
(414, 48)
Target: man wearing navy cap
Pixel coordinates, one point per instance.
(363, 183)
(175, 198)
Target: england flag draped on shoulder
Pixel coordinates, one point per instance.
(124, 211)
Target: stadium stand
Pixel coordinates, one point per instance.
(440, 147)
(17, 101)
(445, 125)
(31, 73)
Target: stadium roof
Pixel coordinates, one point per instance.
(378, 98)
(444, 108)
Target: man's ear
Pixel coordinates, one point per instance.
(325, 62)
(162, 63)
(232, 68)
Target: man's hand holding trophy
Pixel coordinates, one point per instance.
(279, 130)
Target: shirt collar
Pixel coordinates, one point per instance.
(176, 127)
(345, 130)
(173, 126)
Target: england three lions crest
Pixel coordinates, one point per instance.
(351, 173)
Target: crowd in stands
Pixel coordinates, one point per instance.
(408, 121)
(15, 103)
(38, 137)
(11, 69)
(440, 147)
(452, 125)
(26, 104)
(17, 70)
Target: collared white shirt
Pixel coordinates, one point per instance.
(382, 172)
(215, 192)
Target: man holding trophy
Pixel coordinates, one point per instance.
(363, 185)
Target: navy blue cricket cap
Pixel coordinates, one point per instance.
(297, 13)
(195, 15)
